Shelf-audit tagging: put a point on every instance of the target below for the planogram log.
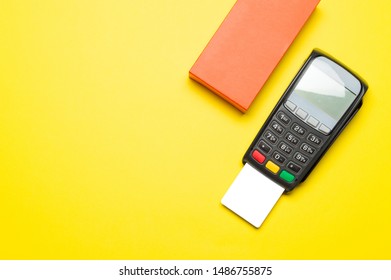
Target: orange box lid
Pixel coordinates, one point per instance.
(247, 47)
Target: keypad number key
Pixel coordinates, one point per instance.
(285, 148)
(298, 129)
(307, 148)
(270, 137)
(292, 139)
(277, 127)
(314, 139)
(300, 158)
(283, 118)
(278, 157)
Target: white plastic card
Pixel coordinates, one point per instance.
(252, 195)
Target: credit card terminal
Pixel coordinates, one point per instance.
(317, 105)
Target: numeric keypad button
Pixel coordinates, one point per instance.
(283, 118)
(278, 157)
(300, 158)
(270, 137)
(307, 148)
(292, 139)
(298, 129)
(285, 148)
(314, 139)
(277, 127)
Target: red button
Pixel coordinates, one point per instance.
(258, 156)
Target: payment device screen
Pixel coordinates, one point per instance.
(323, 94)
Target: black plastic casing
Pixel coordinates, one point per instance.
(326, 140)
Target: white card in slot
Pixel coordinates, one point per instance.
(252, 195)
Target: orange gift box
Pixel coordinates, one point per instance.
(247, 47)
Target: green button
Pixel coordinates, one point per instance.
(287, 176)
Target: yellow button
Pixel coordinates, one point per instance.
(272, 167)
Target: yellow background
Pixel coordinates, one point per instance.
(109, 151)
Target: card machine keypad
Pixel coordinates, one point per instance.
(288, 143)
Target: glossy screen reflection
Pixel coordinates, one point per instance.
(325, 91)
